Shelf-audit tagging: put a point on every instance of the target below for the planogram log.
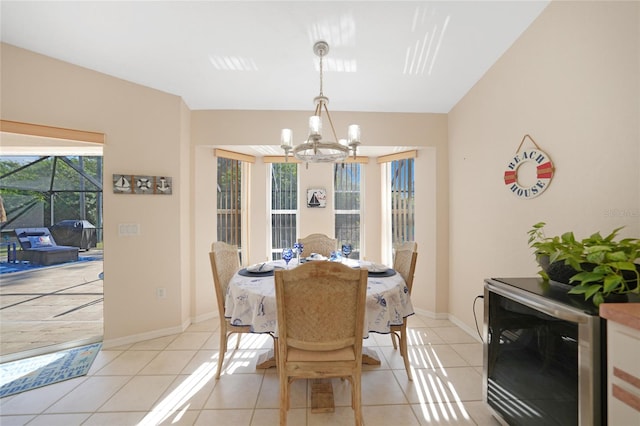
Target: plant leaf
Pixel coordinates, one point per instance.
(597, 257)
(593, 289)
(598, 299)
(611, 282)
(596, 248)
(624, 266)
(577, 290)
(617, 256)
(613, 234)
(585, 278)
(568, 237)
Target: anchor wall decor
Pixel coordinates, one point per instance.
(138, 184)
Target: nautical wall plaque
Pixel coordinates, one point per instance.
(141, 184)
(544, 171)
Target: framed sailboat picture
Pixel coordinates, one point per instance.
(316, 197)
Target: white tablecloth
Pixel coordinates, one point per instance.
(251, 301)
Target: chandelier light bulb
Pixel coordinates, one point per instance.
(354, 134)
(315, 126)
(286, 139)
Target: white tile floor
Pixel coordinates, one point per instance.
(170, 381)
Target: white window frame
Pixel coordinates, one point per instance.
(274, 252)
(360, 211)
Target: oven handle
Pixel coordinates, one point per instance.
(550, 308)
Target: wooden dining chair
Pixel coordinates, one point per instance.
(225, 262)
(404, 262)
(318, 243)
(321, 307)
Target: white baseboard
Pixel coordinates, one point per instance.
(470, 331)
(135, 338)
(432, 315)
(154, 334)
(204, 317)
(446, 316)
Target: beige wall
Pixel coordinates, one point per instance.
(428, 132)
(146, 133)
(572, 82)
(154, 133)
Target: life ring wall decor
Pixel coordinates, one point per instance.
(544, 171)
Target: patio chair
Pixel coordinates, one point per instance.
(321, 309)
(319, 243)
(404, 263)
(40, 248)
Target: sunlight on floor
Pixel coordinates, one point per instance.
(9, 373)
(180, 396)
(177, 402)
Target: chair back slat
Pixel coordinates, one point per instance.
(320, 308)
(323, 303)
(225, 262)
(404, 262)
(318, 243)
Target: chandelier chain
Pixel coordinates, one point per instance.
(321, 53)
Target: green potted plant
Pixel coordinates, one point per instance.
(598, 267)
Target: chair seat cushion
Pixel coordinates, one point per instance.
(344, 354)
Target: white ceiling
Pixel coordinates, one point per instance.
(385, 56)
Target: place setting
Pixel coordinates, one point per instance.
(264, 269)
(378, 270)
(267, 268)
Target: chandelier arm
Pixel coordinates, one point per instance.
(335, 136)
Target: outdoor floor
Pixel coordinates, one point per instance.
(51, 306)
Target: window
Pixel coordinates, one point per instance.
(229, 201)
(284, 207)
(234, 174)
(402, 201)
(347, 202)
(398, 198)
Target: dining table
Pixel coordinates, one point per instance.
(251, 300)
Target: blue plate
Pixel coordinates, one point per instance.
(388, 273)
(246, 273)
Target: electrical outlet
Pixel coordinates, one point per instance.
(161, 293)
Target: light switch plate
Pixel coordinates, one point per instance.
(128, 229)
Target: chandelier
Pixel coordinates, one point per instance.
(314, 149)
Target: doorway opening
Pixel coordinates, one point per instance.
(51, 189)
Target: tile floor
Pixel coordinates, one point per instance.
(170, 381)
